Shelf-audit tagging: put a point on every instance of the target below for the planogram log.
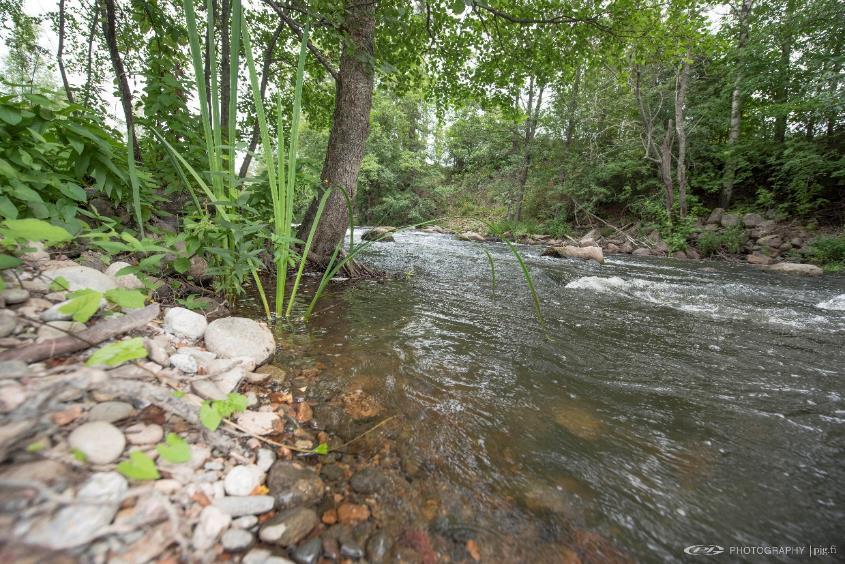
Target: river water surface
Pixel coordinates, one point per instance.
(665, 403)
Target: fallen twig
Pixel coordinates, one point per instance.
(84, 339)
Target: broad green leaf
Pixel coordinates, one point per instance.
(117, 353)
(36, 446)
(209, 416)
(10, 115)
(178, 394)
(181, 265)
(82, 305)
(79, 455)
(175, 450)
(35, 230)
(139, 467)
(8, 261)
(125, 298)
(73, 191)
(321, 448)
(59, 284)
(7, 208)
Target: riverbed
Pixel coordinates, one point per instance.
(659, 404)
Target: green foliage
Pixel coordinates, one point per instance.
(829, 252)
(139, 467)
(53, 155)
(125, 298)
(213, 412)
(729, 240)
(175, 449)
(118, 352)
(30, 229)
(82, 305)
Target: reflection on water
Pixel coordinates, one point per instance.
(666, 404)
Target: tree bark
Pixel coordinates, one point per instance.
(90, 59)
(666, 167)
(530, 131)
(350, 126)
(680, 130)
(265, 74)
(61, 50)
(729, 175)
(108, 16)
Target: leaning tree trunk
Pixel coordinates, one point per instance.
(350, 126)
(61, 51)
(108, 17)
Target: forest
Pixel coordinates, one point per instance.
(248, 247)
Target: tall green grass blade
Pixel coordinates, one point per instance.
(294, 125)
(134, 183)
(261, 293)
(217, 183)
(194, 174)
(199, 79)
(492, 269)
(234, 66)
(528, 280)
(283, 226)
(320, 207)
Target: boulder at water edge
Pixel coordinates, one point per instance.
(796, 268)
(586, 253)
(471, 236)
(185, 323)
(382, 234)
(232, 337)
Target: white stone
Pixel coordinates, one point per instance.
(82, 277)
(257, 422)
(110, 411)
(265, 459)
(211, 524)
(99, 441)
(79, 523)
(236, 540)
(142, 434)
(184, 362)
(185, 323)
(229, 381)
(208, 390)
(242, 480)
(231, 337)
(129, 280)
(11, 396)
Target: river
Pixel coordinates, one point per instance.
(662, 404)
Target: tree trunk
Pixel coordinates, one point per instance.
(782, 86)
(108, 17)
(729, 175)
(666, 167)
(680, 129)
(60, 51)
(530, 130)
(350, 126)
(573, 106)
(265, 74)
(90, 59)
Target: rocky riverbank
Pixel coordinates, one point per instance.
(118, 461)
(776, 246)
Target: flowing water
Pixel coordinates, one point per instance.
(665, 404)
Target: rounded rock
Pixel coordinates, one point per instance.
(237, 540)
(81, 278)
(231, 337)
(14, 295)
(110, 411)
(99, 441)
(242, 480)
(129, 281)
(142, 434)
(292, 484)
(289, 527)
(8, 322)
(185, 323)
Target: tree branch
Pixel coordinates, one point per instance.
(297, 29)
